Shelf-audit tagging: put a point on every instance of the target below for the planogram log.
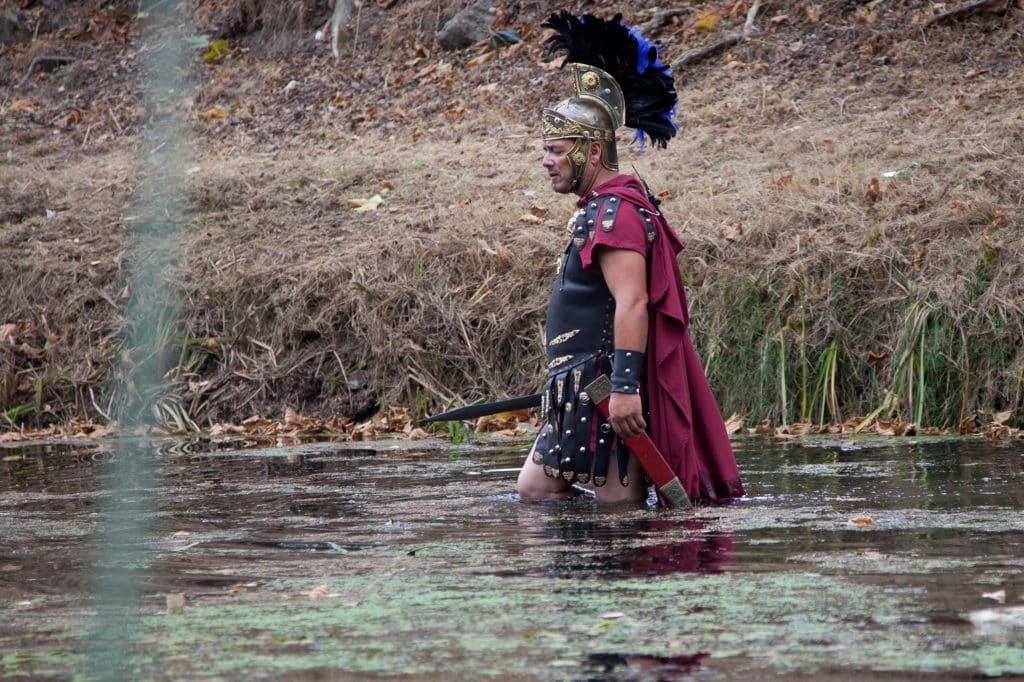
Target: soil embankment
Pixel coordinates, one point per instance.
(846, 178)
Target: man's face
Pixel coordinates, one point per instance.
(556, 162)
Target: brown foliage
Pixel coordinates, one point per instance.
(437, 294)
(281, 20)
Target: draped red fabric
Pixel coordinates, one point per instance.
(685, 422)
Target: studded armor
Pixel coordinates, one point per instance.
(576, 440)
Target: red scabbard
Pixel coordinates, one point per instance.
(643, 448)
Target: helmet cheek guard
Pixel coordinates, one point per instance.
(578, 156)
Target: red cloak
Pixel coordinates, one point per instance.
(685, 422)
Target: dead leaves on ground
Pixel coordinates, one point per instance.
(390, 423)
(397, 421)
(781, 182)
(515, 423)
(25, 104)
(26, 339)
(993, 427)
(535, 215)
(75, 429)
(707, 19)
(875, 189)
(107, 25)
(362, 205)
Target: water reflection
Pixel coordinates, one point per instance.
(935, 475)
(704, 553)
(611, 666)
(638, 546)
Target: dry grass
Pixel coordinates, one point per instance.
(438, 295)
(276, 21)
(824, 253)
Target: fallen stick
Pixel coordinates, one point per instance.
(699, 53)
(114, 119)
(42, 58)
(968, 7)
(652, 26)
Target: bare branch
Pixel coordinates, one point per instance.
(652, 26)
(699, 53)
(42, 58)
(967, 8)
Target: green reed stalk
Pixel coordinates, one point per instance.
(1020, 381)
(912, 358)
(782, 375)
(825, 386)
(909, 372)
(892, 396)
(919, 413)
(804, 413)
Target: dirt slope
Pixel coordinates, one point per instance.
(846, 179)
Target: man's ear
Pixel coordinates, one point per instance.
(596, 150)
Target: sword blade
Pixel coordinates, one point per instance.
(482, 409)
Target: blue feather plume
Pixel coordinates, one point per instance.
(647, 84)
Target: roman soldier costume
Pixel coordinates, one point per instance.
(617, 80)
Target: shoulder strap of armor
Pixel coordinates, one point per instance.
(603, 209)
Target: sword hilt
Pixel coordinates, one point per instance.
(597, 391)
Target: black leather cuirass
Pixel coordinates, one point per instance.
(576, 442)
(581, 311)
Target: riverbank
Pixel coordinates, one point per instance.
(377, 232)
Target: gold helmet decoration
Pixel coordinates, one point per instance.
(616, 79)
(595, 110)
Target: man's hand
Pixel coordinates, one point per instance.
(626, 414)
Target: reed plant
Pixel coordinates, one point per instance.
(825, 387)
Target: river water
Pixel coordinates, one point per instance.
(415, 560)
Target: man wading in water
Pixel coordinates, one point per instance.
(618, 306)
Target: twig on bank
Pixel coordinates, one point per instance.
(99, 410)
(966, 8)
(652, 26)
(42, 58)
(114, 119)
(269, 349)
(429, 382)
(748, 25)
(699, 53)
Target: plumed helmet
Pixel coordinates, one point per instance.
(593, 113)
(616, 80)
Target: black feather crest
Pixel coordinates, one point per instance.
(647, 85)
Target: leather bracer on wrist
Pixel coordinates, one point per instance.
(627, 367)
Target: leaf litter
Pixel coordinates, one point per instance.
(803, 171)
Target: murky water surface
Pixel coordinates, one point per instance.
(412, 561)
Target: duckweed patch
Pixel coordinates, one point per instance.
(419, 625)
